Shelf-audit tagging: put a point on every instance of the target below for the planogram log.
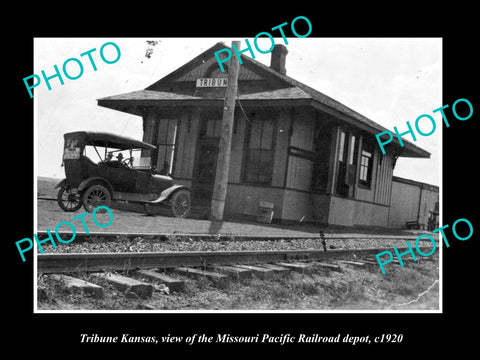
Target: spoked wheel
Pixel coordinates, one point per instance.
(180, 203)
(96, 195)
(69, 199)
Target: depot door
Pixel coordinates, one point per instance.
(206, 159)
(204, 176)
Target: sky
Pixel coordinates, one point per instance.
(389, 80)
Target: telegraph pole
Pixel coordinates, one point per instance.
(225, 145)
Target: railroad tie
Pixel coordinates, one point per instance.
(328, 266)
(354, 263)
(234, 272)
(258, 271)
(297, 266)
(369, 262)
(161, 278)
(76, 284)
(127, 284)
(276, 268)
(218, 279)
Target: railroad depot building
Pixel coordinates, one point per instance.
(294, 147)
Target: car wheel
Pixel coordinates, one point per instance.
(69, 199)
(96, 195)
(180, 203)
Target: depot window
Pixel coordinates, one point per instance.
(167, 134)
(366, 165)
(260, 150)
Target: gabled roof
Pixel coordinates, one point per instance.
(282, 87)
(148, 95)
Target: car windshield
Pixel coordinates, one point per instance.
(139, 159)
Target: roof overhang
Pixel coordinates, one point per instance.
(136, 102)
(408, 149)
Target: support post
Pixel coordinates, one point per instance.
(223, 159)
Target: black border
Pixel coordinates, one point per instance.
(57, 335)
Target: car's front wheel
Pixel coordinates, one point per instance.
(96, 195)
(69, 199)
(180, 203)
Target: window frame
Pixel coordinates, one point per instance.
(166, 147)
(367, 182)
(247, 163)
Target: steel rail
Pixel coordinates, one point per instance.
(88, 262)
(238, 237)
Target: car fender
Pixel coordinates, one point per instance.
(61, 184)
(85, 183)
(165, 195)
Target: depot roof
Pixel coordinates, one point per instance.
(284, 91)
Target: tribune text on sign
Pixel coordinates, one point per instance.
(212, 82)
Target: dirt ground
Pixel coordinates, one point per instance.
(49, 215)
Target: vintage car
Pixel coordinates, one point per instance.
(103, 167)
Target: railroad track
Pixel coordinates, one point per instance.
(142, 273)
(68, 262)
(230, 236)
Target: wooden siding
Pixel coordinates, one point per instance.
(321, 208)
(303, 129)
(281, 148)
(237, 151)
(211, 65)
(186, 144)
(380, 189)
(148, 127)
(383, 179)
(297, 205)
(299, 172)
(411, 202)
(245, 199)
(291, 181)
(348, 212)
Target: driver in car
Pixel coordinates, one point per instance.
(127, 161)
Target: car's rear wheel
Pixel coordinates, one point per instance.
(180, 203)
(69, 199)
(96, 195)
